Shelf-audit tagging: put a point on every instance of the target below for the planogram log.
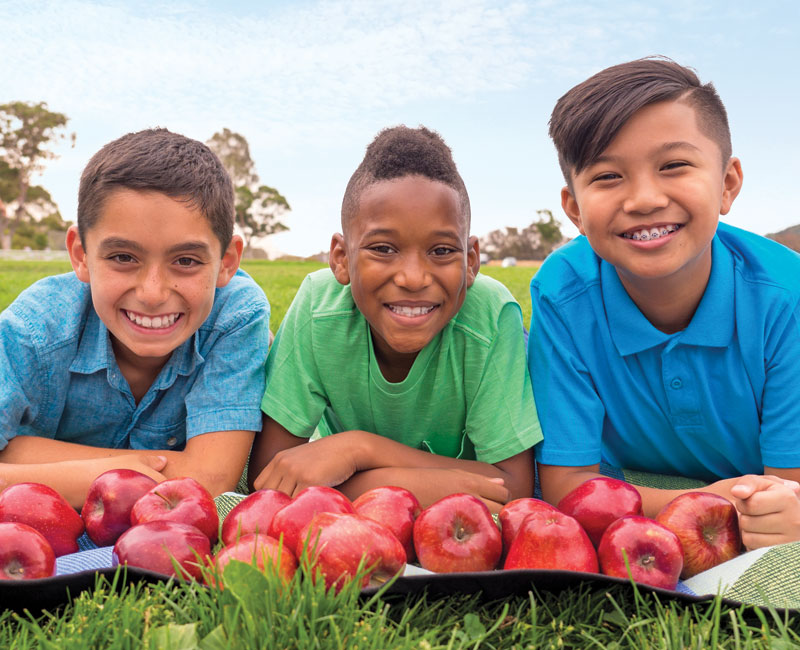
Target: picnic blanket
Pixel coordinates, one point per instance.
(765, 577)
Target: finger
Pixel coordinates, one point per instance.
(770, 524)
(753, 541)
(154, 462)
(748, 485)
(794, 486)
(494, 506)
(775, 499)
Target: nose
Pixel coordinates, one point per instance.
(413, 273)
(645, 195)
(153, 286)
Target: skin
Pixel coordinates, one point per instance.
(662, 170)
(154, 256)
(407, 247)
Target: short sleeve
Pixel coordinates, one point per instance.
(294, 395)
(570, 410)
(501, 419)
(226, 394)
(780, 414)
(20, 377)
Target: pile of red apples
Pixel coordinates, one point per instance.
(172, 528)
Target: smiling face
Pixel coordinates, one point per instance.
(409, 261)
(153, 264)
(650, 203)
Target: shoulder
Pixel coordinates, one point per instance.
(485, 301)
(762, 263)
(52, 311)
(238, 302)
(567, 272)
(324, 296)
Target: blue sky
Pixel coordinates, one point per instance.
(310, 83)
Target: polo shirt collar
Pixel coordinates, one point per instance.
(711, 326)
(95, 353)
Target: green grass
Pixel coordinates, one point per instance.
(255, 612)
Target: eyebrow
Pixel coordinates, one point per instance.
(118, 242)
(377, 232)
(666, 147)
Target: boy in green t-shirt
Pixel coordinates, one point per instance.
(409, 363)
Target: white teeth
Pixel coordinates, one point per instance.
(646, 234)
(156, 322)
(410, 311)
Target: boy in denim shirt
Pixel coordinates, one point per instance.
(156, 342)
(663, 340)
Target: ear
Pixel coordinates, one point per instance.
(77, 255)
(230, 261)
(731, 184)
(338, 259)
(473, 259)
(571, 209)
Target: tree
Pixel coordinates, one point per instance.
(27, 133)
(534, 242)
(258, 207)
(38, 226)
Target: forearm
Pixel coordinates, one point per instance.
(216, 460)
(557, 481)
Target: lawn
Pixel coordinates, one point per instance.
(256, 611)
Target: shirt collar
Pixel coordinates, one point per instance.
(95, 353)
(711, 325)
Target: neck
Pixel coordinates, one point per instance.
(669, 303)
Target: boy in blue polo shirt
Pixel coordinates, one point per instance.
(662, 340)
(155, 342)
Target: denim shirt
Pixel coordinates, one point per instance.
(59, 378)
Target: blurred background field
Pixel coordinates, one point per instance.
(280, 281)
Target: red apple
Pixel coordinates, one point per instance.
(457, 533)
(513, 514)
(154, 544)
(394, 507)
(106, 512)
(253, 514)
(337, 543)
(265, 550)
(293, 517)
(653, 552)
(179, 499)
(551, 540)
(24, 553)
(44, 509)
(706, 525)
(598, 502)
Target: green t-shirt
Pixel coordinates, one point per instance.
(467, 395)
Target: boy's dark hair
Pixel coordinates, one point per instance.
(588, 117)
(158, 160)
(400, 151)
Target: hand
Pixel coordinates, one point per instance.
(769, 510)
(328, 461)
(149, 464)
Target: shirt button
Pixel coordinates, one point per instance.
(676, 383)
(171, 441)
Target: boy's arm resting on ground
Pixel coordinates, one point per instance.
(355, 461)
(768, 504)
(214, 459)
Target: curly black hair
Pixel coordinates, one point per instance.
(399, 151)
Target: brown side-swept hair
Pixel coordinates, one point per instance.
(586, 119)
(400, 151)
(158, 160)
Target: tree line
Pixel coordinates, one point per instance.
(29, 217)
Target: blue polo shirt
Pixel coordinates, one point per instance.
(718, 399)
(59, 378)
